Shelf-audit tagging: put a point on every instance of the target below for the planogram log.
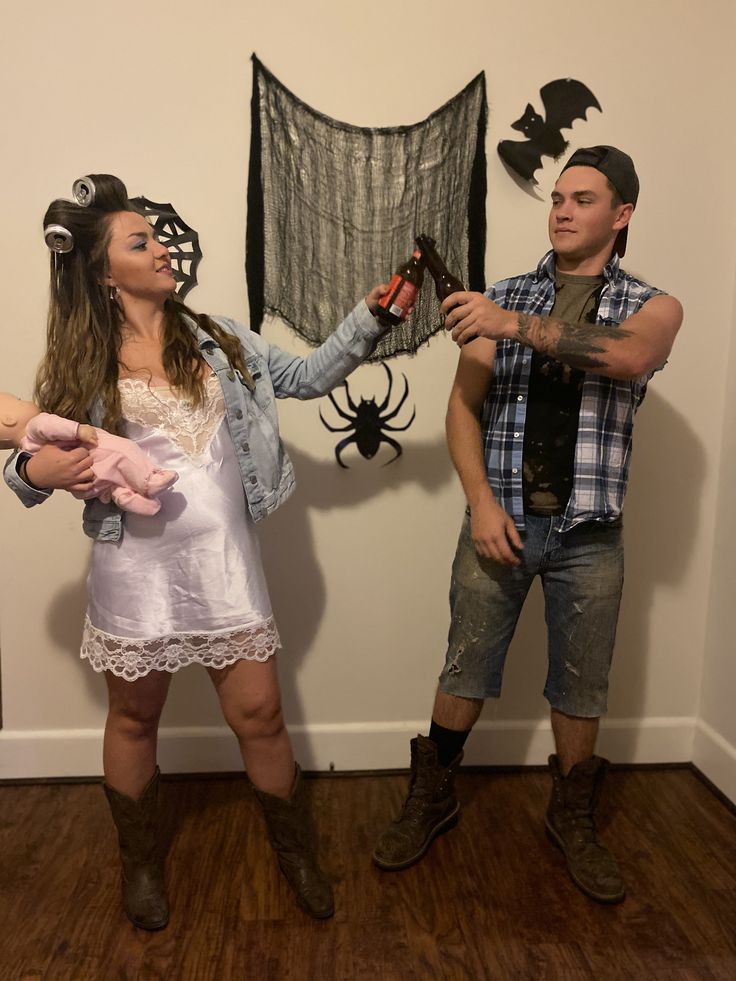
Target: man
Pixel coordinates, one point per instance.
(539, 429)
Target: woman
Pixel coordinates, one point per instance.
(186, 585)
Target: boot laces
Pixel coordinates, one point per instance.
(582, 824)
(415, 805)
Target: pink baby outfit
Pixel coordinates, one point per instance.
(123, 472)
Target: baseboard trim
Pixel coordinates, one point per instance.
(346, 747)
(715, 758)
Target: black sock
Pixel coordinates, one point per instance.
(449, 742)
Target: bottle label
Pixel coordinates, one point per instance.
(401, 295)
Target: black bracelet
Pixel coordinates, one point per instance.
(23, 474)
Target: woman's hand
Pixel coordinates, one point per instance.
(374, 296)
(372, 300)
(55, 469)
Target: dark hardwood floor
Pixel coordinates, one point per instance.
(491, 900)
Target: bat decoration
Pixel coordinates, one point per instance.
(179, 238)
(565, 100)
(368, 424)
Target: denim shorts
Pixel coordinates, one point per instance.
(582, 573)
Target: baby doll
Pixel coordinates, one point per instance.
(123, 472)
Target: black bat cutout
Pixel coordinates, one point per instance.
(565, 100)
(179, 238)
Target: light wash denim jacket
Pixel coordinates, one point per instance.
(266, 470)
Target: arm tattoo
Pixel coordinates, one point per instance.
(579, 345)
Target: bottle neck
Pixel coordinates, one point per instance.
(431, 257)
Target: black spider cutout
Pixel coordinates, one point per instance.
(179, 238)
(368, 424)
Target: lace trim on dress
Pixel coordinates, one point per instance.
(191, 428)
(131, 659)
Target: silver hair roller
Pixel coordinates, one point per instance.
(58, 238)
(83, 190)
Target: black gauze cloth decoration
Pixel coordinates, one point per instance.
(333, 209)
(179, 238)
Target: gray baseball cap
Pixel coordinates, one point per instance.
(618, 167)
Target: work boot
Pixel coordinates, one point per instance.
(144, 893)
(571, 826)
(290, 833)
(429, 809)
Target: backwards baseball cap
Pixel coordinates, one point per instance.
(618, 167)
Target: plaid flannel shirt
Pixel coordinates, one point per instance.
(606, 421)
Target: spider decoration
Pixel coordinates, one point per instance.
(179, 238)
(368, 424)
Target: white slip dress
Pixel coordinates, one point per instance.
(185, 585)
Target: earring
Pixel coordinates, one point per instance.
(114, 294)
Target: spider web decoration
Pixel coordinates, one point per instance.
(333, 208)
(179, 238)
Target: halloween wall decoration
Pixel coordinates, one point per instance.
(333, 208)
(565, 100)
(369, 426)
(180, 239)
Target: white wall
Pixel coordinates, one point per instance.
(714, 750)
(358, 561)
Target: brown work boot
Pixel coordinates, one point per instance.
(144, 893)
(571, 826)
(290, 833)
(429, 809)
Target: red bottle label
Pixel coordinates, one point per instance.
(401, 295)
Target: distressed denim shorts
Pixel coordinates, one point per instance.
(582, 573)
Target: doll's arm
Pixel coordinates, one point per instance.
(87, 435)
(46, 428)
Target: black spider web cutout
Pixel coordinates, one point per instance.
(180, 239)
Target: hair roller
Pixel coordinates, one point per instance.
(58, 238)
(83, 191)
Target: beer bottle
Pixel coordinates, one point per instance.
(403, 289)
(445, 283)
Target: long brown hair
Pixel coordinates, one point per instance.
(84, 336)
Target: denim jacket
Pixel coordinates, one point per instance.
(266, 470)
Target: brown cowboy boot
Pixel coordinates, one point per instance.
(429, 809)
(144, 893)
(571, 826)
(290, 833)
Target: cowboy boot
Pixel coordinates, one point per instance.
(430, 808)
(571, 826)
(291, 836)
(144, 893)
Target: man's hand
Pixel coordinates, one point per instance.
(55, 469)
(470, 315)
(494, 533)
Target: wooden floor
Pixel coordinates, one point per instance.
(490, 901)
